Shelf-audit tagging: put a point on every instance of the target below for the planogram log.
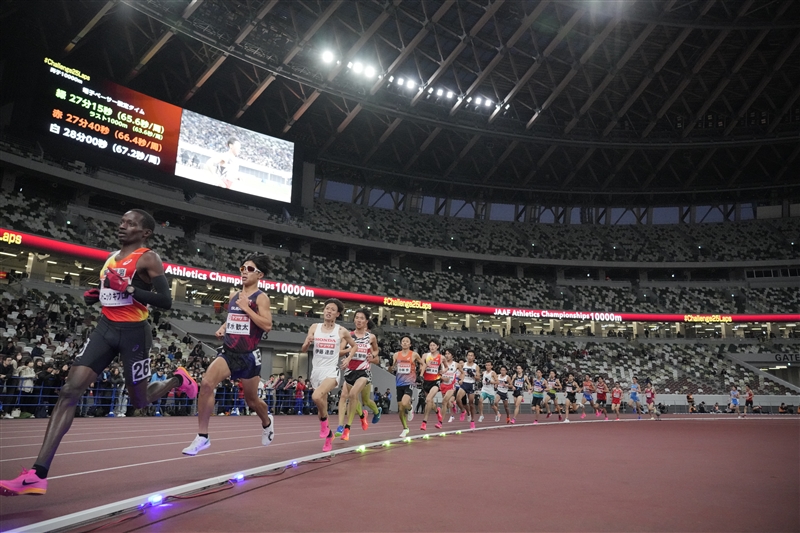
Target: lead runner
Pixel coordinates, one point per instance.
(127, 280)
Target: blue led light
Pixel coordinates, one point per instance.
(294, 464)
(155, 499)
(238, 478)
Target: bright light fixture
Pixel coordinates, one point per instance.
(410, 84)
(401, 81)
(327, 56)
(477, 100)
(440, 92)
(449, 94)
(358, 67)
(487, 103)
(369, 72)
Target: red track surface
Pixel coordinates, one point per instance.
(694, 474)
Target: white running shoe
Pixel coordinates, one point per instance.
(404, 433)
(566, 420)
(198, 444)
(410, 416)
(480, 419)
(269, 432)
(450, 420)
(497, 418)
(469, 418)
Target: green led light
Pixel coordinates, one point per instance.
(407, 439)
(442, 434)
(426, 437)
(361, 448)
(387, 443)
(458, 432)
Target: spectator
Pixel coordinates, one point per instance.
(299, 395)
(782, 409)
(119, 393)
(716, 409)
(159, 376)
(25, 378)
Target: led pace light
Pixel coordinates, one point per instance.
(155, 499)
(238, 478)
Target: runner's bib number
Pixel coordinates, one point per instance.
(432, 369)
(237, 324)
(112, 298)
(403, 368)
(140, 370)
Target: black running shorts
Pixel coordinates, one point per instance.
(405, 390)
(354, 375)
(130, 340)
(428, 385)
(243, 365)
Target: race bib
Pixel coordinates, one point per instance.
(403, 368)
(112, 298)
(432, 369)
(257, 356)
(140, 370)
(237, 324)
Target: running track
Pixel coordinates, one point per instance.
(684, 474)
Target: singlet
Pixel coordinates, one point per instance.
(449, 376)
(519, 382)
(326, 347)
(587, 387)
(649, 395)
(241, 333)
(601, 391)
(734, 395)
(635, 388)
(570, 387)
(405, 370)
(363, 351)
(616, 394)
(551, 385)
(538, 387)
(502, 383)
(749, 395)
(432, 364)
(488, 386)
(470, 371)
(121, 306)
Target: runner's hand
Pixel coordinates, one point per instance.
(243, 301)
(91, 296)
(115, 281)
(219, 333)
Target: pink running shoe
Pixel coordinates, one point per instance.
(323, 429)
(606, 419)
(597, 413)
(26, 483)
(513, 420)
(559, 418)
(439, 414)
(188, 384)
(583, 416)
(472, 425)
(535, 422)
(424, 426)
(328, 446)
(548, 415)
(438, 425)
(463, 416)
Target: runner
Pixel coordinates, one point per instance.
(327, 338)
(735, 401)
(634, 398)
(616, 399)
(748, 400)
(553, 385)
(571, 388)
(469, 373)
(588, 389)
(503, 381)
(127, 280)
(431, 371)
(357, 374)
(650, 400)
(249, 318)
(602, 391)
(537, 398)
(521, 383)
(448, 385)
(489, 380)
(404, 366)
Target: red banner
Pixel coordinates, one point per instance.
(17, 239)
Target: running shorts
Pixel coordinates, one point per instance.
(354, 375)
(428, 385)
(320, 374)
(485, 395)
(587, 396)
(748, 403)
(634, 397)
(601, 402)
(517, 393)
(243, 365)
(446, 388)
(130, 340)
(404, 390)
(735, 402)
(537, 400)
(552, 396)
(469, 388)
(616, 401)
(571, 397)
(503, 396)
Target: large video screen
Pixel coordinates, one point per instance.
(127, 125)
(217, 153)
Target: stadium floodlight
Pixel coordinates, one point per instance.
(358, 67)
(410, 84)
(430, 90)
(487, 103)
(327, 56)
(508, 106)
(350, 65)
(369, 71)
(449, 94)
(440, 92)
(401, 81)
(391, 79)
(469, 99)
(477, 101)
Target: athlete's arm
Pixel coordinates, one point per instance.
(262, 318)
(153, 269)
(394, 362)
(375, 350)
(221, 331)
(422, 366)
(309, 338)
(349, 340)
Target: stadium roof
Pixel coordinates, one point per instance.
(580, 101)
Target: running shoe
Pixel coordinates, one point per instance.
(198, 444)
(410, 416)
(548, 415)
(438, 425)
(508, 420)
(346, 434)
(364, 423)
(559, 417)
(463, 415)
(424, 426)
(472, 425)
(640, 418)
(450, 420)
(328, 446)
(653, 418)
(188, 384)
(323, 429)
(606, 419)
(597, 413)
(480, 418)
(439, 414)
(469, 418)
(497, 418)
(338, 432)
(513, 421)
(404, 433)
(26, 483)
(583, 416)
(377, 416)
(566, 420)
(269, 432)
(535, 422)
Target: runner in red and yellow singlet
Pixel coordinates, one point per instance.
(127, 282)
(431, 376)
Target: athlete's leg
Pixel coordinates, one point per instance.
(505, 407)
(250, 387)
(517, 402)
(343, 397)
(355, 399)
(320, 396)
(402, 410)
(78, 380)
(430, 403)
(366, 397)
(217, 371)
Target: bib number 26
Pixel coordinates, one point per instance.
(140, 370)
